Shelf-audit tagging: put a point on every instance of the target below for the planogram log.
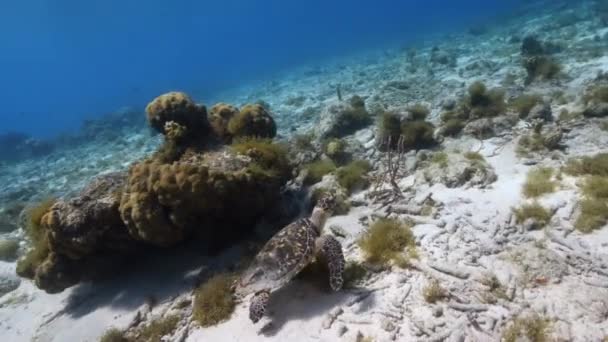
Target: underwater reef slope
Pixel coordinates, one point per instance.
(470, 175)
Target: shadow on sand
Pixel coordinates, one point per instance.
(154, 280)
(302, 300)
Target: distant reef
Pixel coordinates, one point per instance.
(16, 146)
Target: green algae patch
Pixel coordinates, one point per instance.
(213, 300)
(539, 182)
(352, 175)
(388, 240)
(532, 211)
(317, 169)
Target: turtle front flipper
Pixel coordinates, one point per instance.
(330, 250)
(258, 305)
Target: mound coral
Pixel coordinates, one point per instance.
(179, 108)
(418, 134)
(198, 192)
(336, 150)
(343, 118)
(163, 203)
(596, 101)
(418, 112)
(483, 103)
(388, 129)
(394, 129)
(455, 170)
(476, 113)
(252, 121)
(452, 127)
(219, 116)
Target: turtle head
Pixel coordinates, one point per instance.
(251, 281)
(323, 210)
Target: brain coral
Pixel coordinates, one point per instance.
(254, 121)
(219, 116)
(179, 108)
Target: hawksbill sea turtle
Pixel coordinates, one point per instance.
(286, 254)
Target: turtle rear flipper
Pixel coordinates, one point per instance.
(330, 250)
(258, 305)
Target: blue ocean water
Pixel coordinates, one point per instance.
(67, 60)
